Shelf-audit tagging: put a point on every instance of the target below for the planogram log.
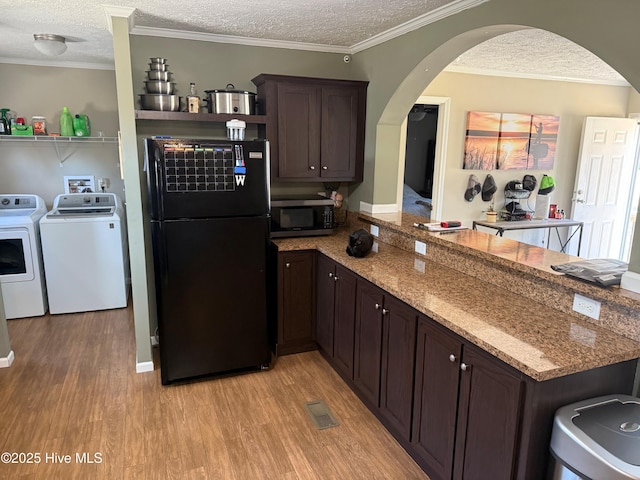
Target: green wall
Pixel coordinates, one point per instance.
(398, 71)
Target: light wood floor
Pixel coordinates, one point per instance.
(73, 389)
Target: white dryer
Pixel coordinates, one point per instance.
(85, 253)
(21, 273)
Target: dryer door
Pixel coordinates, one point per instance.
(16, 264)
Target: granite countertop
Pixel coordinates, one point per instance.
(534, 338)
(529, 259)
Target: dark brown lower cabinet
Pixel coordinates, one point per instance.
(296, 302)
(435, 406)
(466, 409)
(368, 341)
(336, 293)
(459, 411)
(489, 413)
(397, 370)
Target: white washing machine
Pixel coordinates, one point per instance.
(85, 253)
(21, 272)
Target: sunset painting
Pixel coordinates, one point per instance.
(481, 145)
(542, 145)
(510, 141)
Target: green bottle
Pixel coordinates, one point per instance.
(66, 123)
(5, 127)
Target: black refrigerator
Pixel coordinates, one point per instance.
(209, 209)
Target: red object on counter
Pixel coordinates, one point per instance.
(552, 210)
(450, 224)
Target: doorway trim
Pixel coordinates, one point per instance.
(440, 161)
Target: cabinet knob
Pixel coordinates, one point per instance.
(312, 167)
(385, 311)
(377, 306)
(452, 358)
(324, 167)
(287, 265)
(330, 275)
(464, 367)
(335, 278)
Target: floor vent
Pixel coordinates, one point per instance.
(320, 414)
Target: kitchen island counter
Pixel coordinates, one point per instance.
(531, 336)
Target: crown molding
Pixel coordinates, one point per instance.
(118, 11)
(253, 42)
(418, 22)
(421, 21)
(44, 63)
(535, 76)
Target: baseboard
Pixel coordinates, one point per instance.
(380, 208)
(630, 281)
(143, 367)
(8, 360)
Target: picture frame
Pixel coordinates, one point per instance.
(79, 183)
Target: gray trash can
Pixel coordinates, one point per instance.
(597, 439)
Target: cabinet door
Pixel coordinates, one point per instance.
(325, 288)
(435, 398)
(398, 361)
(488, 419)
(368, 341)
(339, 132)
(344, 323)
(296, 302)
(298, 131)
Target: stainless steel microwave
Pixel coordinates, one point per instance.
(300, 216)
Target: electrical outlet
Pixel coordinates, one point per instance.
(586, 306)
(421, 247)
(375, 230)
(374, 247)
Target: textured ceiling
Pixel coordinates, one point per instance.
(325, 25)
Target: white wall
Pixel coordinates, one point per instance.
(571, 101)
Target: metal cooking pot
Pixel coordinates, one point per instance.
(231, 101)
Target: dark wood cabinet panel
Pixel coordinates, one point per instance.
(296, 302)
(339, 138)
(325, 300)
(435, 398)
(298, 131)
(316, 127)
(368, 341)
(398, 361)
(344, 321)
(488, 419)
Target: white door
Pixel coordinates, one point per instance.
(604, 175)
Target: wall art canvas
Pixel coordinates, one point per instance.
(542, 142)
(481, 143)
(515, 130)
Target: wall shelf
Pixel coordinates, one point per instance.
(56, 141)
(198, 117)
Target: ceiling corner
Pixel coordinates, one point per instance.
(118, 11)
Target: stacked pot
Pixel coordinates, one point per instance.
(159, 87)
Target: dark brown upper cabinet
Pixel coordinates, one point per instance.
(315, 127)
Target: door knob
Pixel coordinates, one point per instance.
(377, 306)
(312, 167)
(464, 367)
(385, 311)
(452, 358)
(324, 167)
(287, 265)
